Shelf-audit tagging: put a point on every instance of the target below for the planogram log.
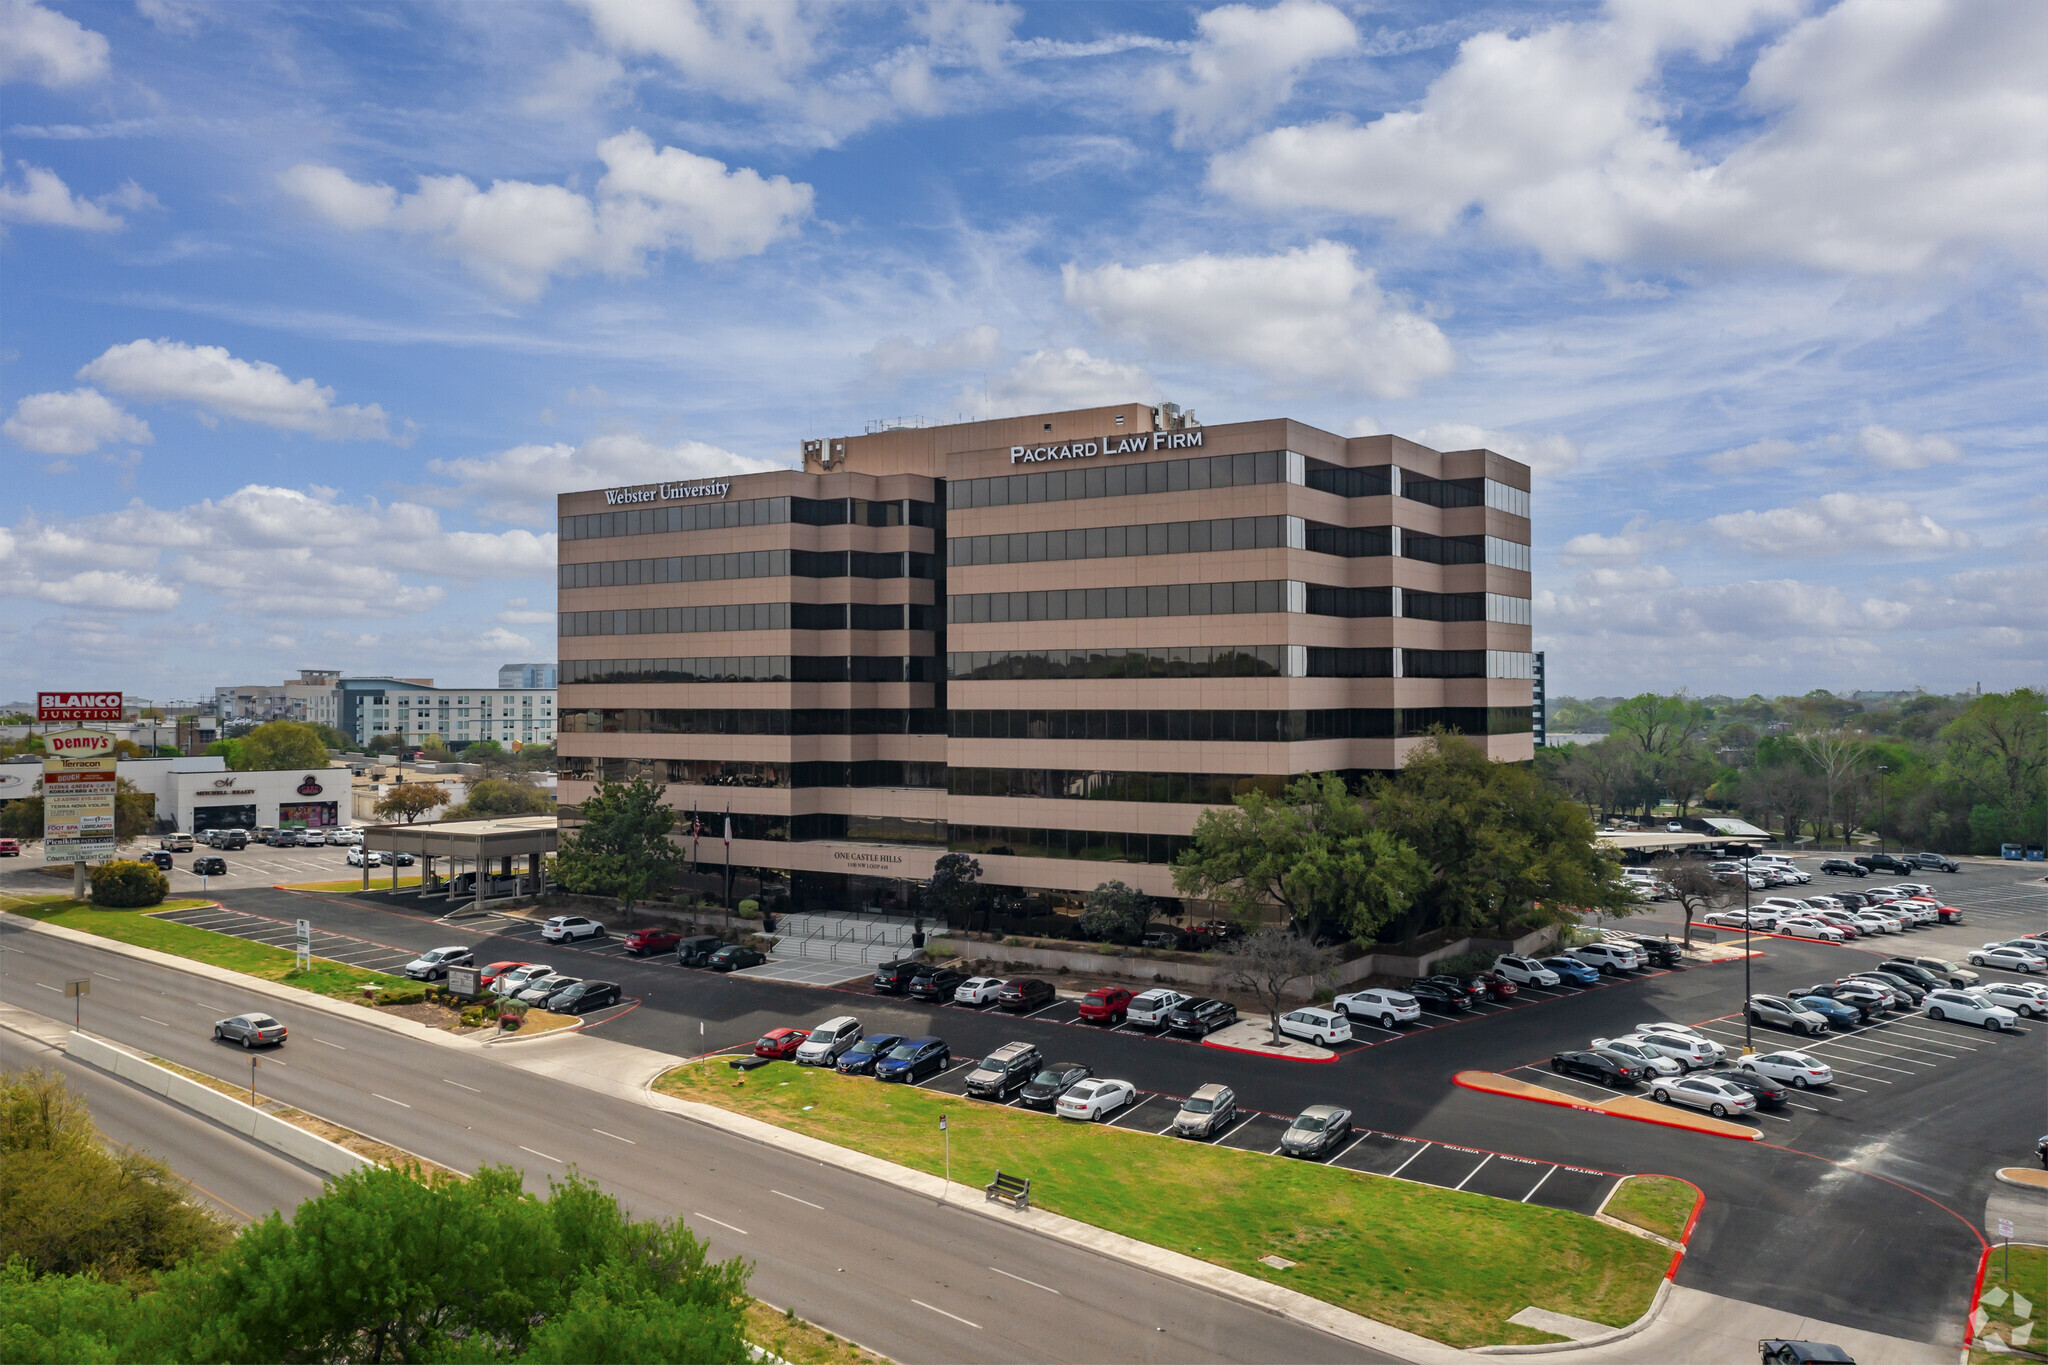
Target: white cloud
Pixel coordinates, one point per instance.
(752, 51)
(1313, 315)
(42, 198)
(1244, 65)
(1052, 380)
(1546, 456)
(1560, 139)
(46, 47)
(1768, 453)
(573, 84)
(1593, 548)
(964, 349)
(74, 423)
(219, 384)
(519, 485)
(1839, 523)
(172, 16)
(517, 234)
(1642, 578)
(1900, 450)
(1365, 426)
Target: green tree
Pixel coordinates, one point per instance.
(381, 744)
(127, 884)
(1997, 752)
(1503, 849)
(275, 746)
(134, 811)
(1665, 732)
(330, 737)
(484, 751)
(61, 1319)
(1264, 964)
(495, 796)
(953, 890)
(408, 801)
(1116, 913)
(1697, 891)
(22, 818)
(1309, 851)
(622, 847)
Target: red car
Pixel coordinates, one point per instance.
(651, 941)
(1496, 985)
(496, 970)
(9, 849)
(780, 1044)
(1108, 1005)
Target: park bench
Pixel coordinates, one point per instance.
(1013, 1190)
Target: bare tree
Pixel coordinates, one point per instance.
(1835, 757)
(1266, 963)
(1697, 891)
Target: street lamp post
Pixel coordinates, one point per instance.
(1748, 1016)
(1881, 771)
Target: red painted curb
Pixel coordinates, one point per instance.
(1976, 1292)
(1276, 1056)
(1685, 1238)
(1459, 1080)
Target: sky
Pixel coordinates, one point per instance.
(310, 310)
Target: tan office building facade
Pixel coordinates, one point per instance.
(1048, 641)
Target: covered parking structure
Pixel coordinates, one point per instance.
(485, 848)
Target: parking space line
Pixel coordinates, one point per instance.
(1867, 1053)
(1474, 1171)
(1416, 1153)
(1537, 1186)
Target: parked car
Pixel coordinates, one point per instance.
(156, 858)
(10, 848)
(1928, 972)
(828, 1040)
(1777, 1351)
(2027, 999)
(641, 942)
(433, 964)
(516, 980)
(398, 859)
(1206, 1113)
(1095, 1099)
(1325, 1028)
(1718, 1097)
(1715, 1052)
(538, 988)
(1601, 1068)
(1430, 995)
(1876, 921)
(1150, 1008)
(977, 990)
(860, 1059)
(1838, 1013)
(1795, 1069)
(1491, 986)
(1779, 1012)
(1468, 986)
(175, 843)
(1658, 952)
(568, 928)
(1316, 1131)
(494, 972)
(780, 1044)
(1899, 993)
(1046, 1086)
(697, 951)
(313, 838)
(894, 978)
(1201, 1017)
(1810, 926)
(1842, 867)
(1004, 1072)
(2006, 958)
(1881, 862)
(1689, 1050)
(584, 995)
(1767, 1093)
(1572, 972)
(365, 857)
(1650, 1057)
(913, 1059)
(735, 957)
(1524, 971)
(250, 1030)
(1026, 993)
(1106, 1005)
(1860, 996)
(936, 984)
(1608, 957)
(1383, 1007)
(1970, 1007)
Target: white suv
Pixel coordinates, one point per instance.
(562, 928)
(1324, 1027)
(828, 1040)
(1150, 1009)
(1608, 957)
(1384, 1007)
(1524, 971)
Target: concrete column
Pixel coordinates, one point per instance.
(366, 865)
(533, 865)
(483, 875)
(78, 881)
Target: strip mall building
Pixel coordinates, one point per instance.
(1048, 641)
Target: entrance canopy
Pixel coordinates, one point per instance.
(485, 847)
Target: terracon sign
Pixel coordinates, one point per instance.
(77, 706)
(79, 783)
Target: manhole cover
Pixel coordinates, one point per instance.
(1277, 1262)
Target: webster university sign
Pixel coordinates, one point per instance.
(663, 492)
(1108, 445)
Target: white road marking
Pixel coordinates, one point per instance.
(1474, 1171)
(158, 1022)
(730, 1228)
(615, 1137)
(48, 987)
(940, 1311)
(103, 976)
(1021, 1280)
(542, 1155)
(805, 1202)
(388, 1100)
(324, 1043)
(1538, 1185)
(1404, 1165)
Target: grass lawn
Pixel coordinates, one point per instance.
(1431, 1261)
(2029, 1281)
(203, 945)
(1655, 1203)
(352, 884)
(799, 1342)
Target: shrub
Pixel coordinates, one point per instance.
(402, 995)
(750, 908)
(1013, 942)
(1465, 963)
(126, 884)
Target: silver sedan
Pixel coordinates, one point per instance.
(250, 1030)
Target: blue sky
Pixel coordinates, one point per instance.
(311, 309)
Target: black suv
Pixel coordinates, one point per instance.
(1201, 1017)
(894, 978)
(1443, 999)
(1882, 862)
(1045, 1089)
(1661, 952)
(1842, 867)
(1934, 862)
(936, 984)
(1026, 993)
(696, 952)
(212, 865)
(159, 857)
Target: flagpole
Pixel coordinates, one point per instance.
(728, 855)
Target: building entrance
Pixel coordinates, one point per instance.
(205, 818)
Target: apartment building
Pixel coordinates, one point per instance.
(1049, 641)
(414, 708)
(312, 698)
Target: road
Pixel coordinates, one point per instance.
(892, 1271)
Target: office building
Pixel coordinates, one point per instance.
(312, 698)
(526, 675)
(1538, 707)
(1048, 641)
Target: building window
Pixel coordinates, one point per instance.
(1117, 542)
(1093, 604)
(1122, 480)
(1189, 661)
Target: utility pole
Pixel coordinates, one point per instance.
(1748, 1016)
(1881, 771)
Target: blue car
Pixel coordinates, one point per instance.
(913, 1059)
(1835, 1012)
(862, 1058)
(1572, 971)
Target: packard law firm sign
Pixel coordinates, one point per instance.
(79, 784)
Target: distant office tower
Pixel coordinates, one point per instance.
(1537, 709)
(527, 675)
